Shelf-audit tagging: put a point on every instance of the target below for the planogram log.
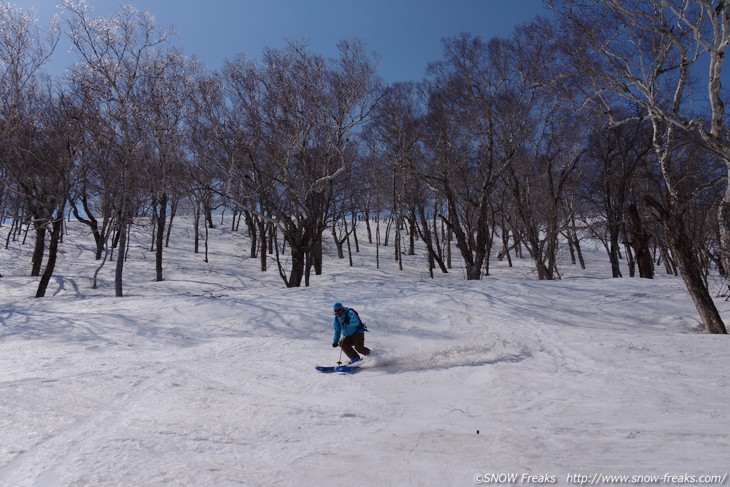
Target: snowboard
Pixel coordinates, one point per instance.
(347, 369)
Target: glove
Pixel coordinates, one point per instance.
(334, 345)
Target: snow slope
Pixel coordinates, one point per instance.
(207, 379)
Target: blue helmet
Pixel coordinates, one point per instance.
(338, 305)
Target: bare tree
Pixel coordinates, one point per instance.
(24, 49)
(615, 157)
(553, 148)
(538, 180)
(52, 155)
(477, 121)
(709, 25)
(299, 113)
(643, 52)
(396, 128)
(41, 164)
(213, 143)
(162, 95)
(112, 51)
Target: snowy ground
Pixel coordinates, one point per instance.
(207, 378)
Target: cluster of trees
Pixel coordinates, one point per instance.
(594, 121)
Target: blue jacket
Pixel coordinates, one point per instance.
(347, 327)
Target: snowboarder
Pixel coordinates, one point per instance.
(347, 323)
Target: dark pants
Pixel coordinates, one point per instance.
(352, 343)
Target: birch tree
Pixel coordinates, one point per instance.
(112, 51)
(301, 112)
(24, 49)
(162, 96)
(643, 52)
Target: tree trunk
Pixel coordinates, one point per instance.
(173, 212)
(613, 251)
(427, 238)
(412, 232)
(92, 223)
(696, 286)
(338, 243)
(252, 225)
(39, 248)
(367, 225)
(349, 248)
(208, 214)
(640, 243)
(262, 244)
(723, 218)
(315, 251)
(196, 229)
(121, 252)
(298, 258)
(52, 253)
(578, 249)
(354, 232)
(680, 243)
(377, 242)
(160, 236)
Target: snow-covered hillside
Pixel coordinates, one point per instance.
(207, 378)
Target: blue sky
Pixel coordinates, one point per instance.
(405, 33)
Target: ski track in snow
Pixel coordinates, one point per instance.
(207, 378)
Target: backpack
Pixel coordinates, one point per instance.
(346, 321)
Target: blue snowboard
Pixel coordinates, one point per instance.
(349, 369)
